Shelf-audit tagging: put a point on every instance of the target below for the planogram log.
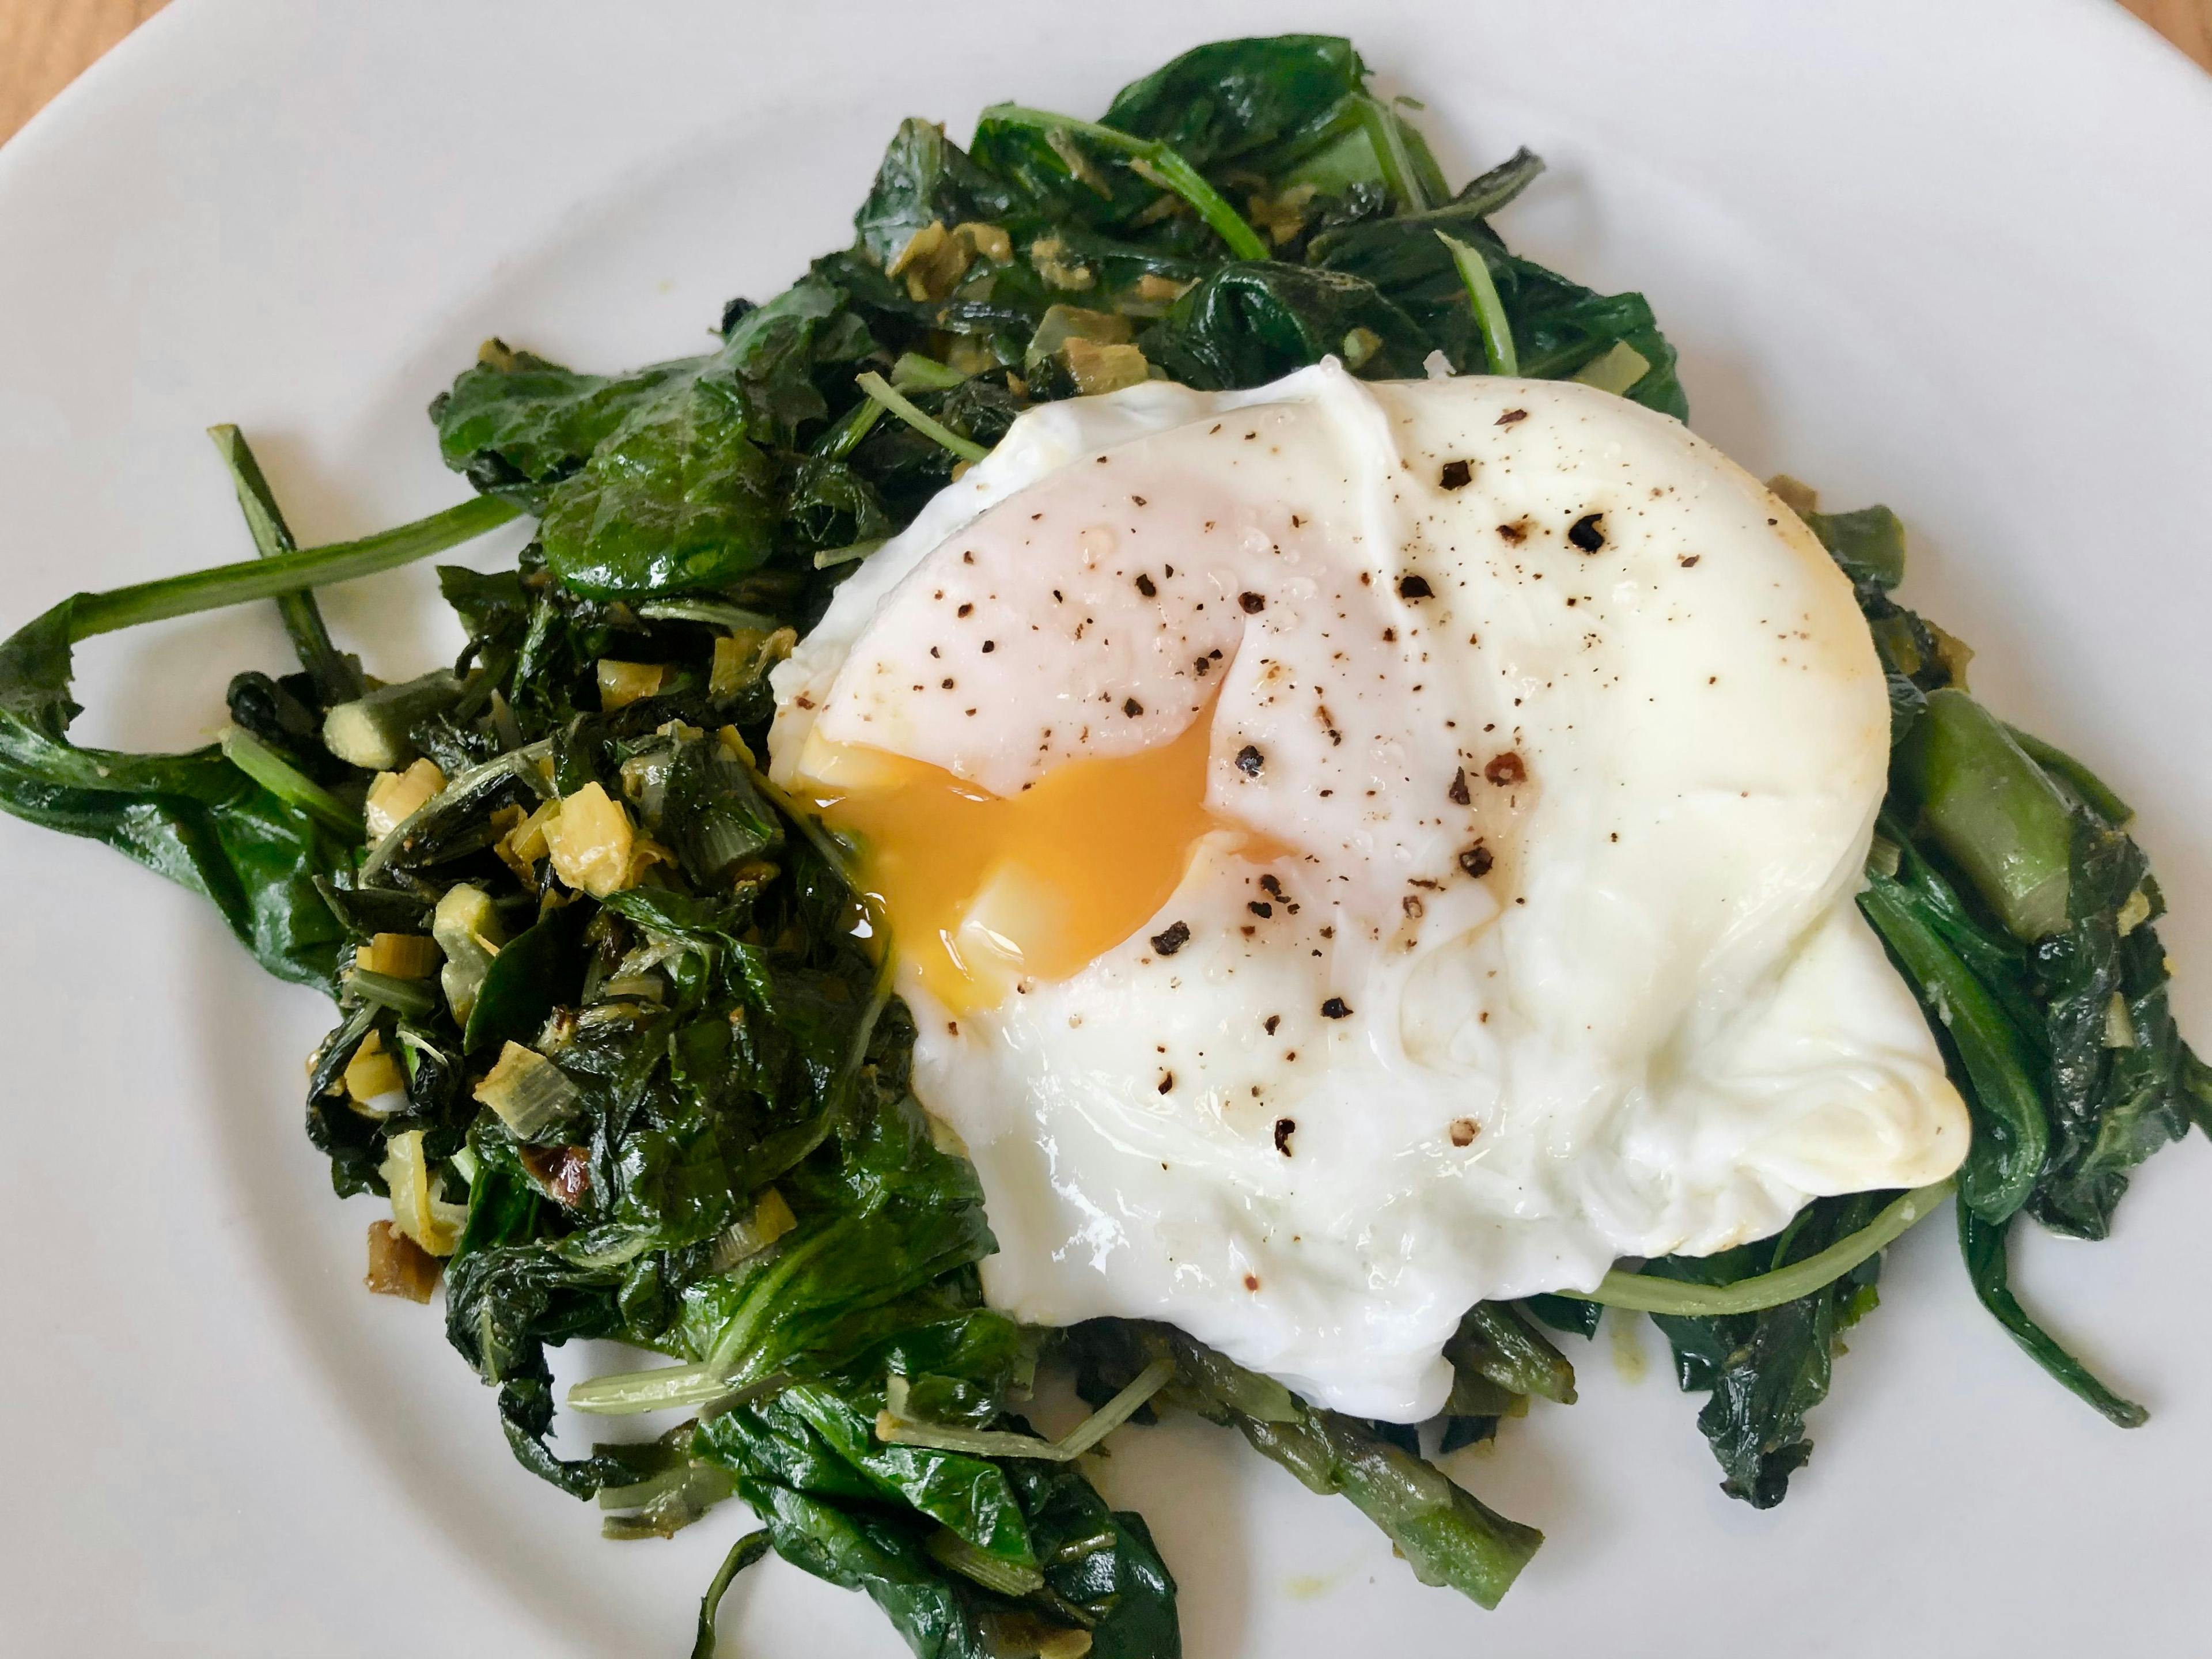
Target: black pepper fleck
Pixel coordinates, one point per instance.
(1336, 1008)
(1476, 860)
(1172, 938)
(1249, 760)
(1587, 532)
(1456, 475)
(1253, 603)
(1414, 588)
(1284, 1129)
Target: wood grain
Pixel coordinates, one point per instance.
(2187, 23)
(46, 44)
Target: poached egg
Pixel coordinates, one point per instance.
(1356, 850)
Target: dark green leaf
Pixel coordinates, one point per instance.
(193, 818)
(1766, 1371)
(1982, 1244)
(1254, 322)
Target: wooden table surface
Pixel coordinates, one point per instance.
(46, 43)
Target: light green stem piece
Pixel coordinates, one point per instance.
(1163, 161)
(1644, 1293)
(287, 782)
(880, 390)
(288, 573)
(1489, 309)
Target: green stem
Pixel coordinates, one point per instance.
(1489, 310)
(411, 998)
(880, 390)
(743, 1553)
(287, 782)
(714, 613)
(336, 679)
(949, 1549)
(288, 573)
(831, 557)
(1643, 1293)
(1399, 174)
(895, 1427)
(1172, 171)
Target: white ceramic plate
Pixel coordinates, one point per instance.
(1949, 257)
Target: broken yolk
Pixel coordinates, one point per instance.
(980, 892)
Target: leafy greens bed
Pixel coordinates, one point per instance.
(608, 1041)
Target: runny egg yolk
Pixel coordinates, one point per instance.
(980, 891)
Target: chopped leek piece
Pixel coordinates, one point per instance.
(416, 1210)
(1615, 370)
(1063, 323)
(373, 730)
(467, 929)
(1098, 369)
(528, 1091)
(741, 658)
(593, 843)
(769, 1220)
(394, 796)
(622, 684)
(374, 1072)
(399, 956)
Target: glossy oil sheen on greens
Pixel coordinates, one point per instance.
(734, 1176)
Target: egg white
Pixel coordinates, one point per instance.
(1646, 1018)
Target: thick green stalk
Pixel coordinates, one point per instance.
(288, 573)
(1643, 1293)
(337, 678)
(1446, 1534)
(1162, 160)
(1992, 811)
